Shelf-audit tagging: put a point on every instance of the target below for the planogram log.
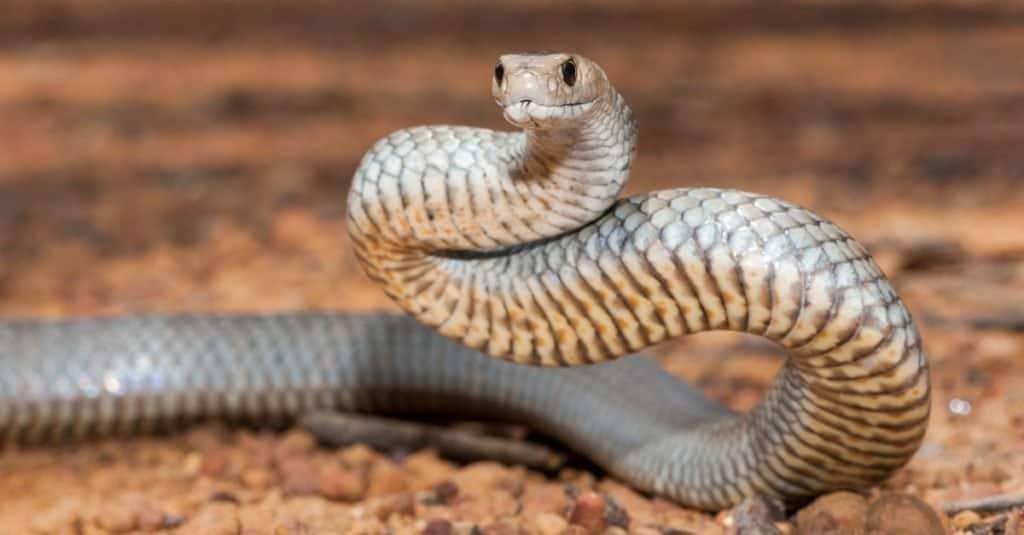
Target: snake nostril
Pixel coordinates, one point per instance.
(525, 101)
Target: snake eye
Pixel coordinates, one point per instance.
(569, 72)
(499, 73)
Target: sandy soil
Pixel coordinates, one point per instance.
(195, 155)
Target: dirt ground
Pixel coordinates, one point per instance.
(195, 156)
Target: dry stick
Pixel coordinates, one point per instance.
(991, 504)
(385, 433)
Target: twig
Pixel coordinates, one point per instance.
(385, 433)
(991, 504)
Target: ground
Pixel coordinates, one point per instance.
(195, 156)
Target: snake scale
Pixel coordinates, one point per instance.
(517, 245)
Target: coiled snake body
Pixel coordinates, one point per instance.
(515, 244)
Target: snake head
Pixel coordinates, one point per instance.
(545, 90)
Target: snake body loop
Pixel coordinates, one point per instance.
(516, 245)
(590, 279)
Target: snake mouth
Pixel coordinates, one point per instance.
(527, 112)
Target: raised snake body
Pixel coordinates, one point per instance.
(514, 244)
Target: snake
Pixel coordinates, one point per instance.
(528, 287)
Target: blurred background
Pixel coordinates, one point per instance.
(195, 155)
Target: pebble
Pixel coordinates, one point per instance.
(386, 478)
(588, 512)
(357, 456)
(214, 463)
(294, 443)
(905, 514)
(299, 477)
(438, 526)
(615, 515)
(446, 491)
(426, 468)
(342, 484)
(485, 476)
(192, 464)
(539, 498)
(257, 479)
(838, 512)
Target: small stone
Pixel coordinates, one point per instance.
(426, 468)
(905, 514)
(256, 479)
(192, 464)
(838, 512)
(544, 497)
(357, 456)
(483, 477)
(386, 478)
(293, 443)
(588, 512)
(550, 524)
(446, 491)
(299, 477)
(438, 526)
(614, 514)
(342, 484)
(214, 463)
(963, 519)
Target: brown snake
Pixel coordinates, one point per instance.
(515, 244)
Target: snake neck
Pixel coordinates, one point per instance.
(426, 194)
(581, 167)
